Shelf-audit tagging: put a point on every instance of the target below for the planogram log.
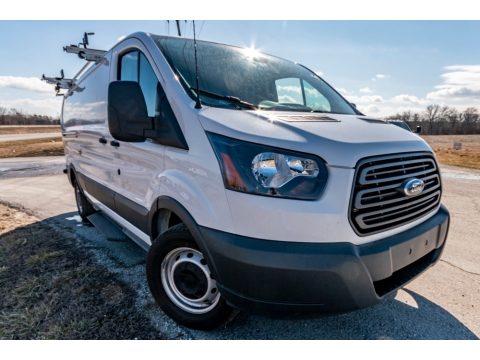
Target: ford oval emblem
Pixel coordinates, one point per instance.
(413, 187)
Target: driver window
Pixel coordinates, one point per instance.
(289, 91)
(134, 66)
(314, 99)
(298, 91)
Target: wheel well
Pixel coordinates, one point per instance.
(72, 176)
(164, 220)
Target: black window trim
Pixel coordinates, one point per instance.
(179, 141)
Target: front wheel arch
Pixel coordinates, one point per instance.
(166, 203)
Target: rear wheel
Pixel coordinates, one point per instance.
(181, 283)
(84, 207)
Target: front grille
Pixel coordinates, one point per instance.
(377, 202)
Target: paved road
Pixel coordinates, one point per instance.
(16, 137)
(440, 304)
(31, 166)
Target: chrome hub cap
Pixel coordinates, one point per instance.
(187, 281)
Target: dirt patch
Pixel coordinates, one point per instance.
(468, 156)
(4, 130)
(50, 288)
(35, 147)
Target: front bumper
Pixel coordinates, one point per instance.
(275, 277)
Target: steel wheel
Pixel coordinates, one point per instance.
(187, 282)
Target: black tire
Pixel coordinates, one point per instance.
(173, 241)
(84, 207)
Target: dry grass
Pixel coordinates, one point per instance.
(50, 288)
(4, 130)
(35, 147)
(468, 156)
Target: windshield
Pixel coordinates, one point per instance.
(229, 74)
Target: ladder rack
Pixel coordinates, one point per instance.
(85, 53)
(59, 82)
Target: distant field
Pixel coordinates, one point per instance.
(36, 147)
(28, 129)
(468, 156)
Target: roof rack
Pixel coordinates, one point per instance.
(84, 52)
(59, 82)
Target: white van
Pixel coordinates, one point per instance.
(260, 189)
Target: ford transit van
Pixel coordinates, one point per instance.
(257, 188)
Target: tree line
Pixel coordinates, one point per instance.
(16, 117)
(442, 120)
(434, 120)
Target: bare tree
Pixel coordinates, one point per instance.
(3, 112)
(442, 120)
(431, 115)
(470, 118)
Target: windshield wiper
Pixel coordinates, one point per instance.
(232, 99)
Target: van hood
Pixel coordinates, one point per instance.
(341, 140)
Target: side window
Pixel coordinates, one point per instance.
(289, 91)
(298, 91)
(314, 99)
(148, 82)
(129, 66)
(134, 66)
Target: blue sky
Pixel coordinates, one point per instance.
(382, 66)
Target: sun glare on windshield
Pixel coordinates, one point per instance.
(251, 53)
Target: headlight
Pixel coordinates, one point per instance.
(264, 170)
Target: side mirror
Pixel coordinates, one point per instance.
(418, 130)
(354, 105)
(127, 112)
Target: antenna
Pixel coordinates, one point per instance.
(178, 27)
(198, 104)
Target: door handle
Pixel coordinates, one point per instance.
(102, 140)
(114, 143)
(69, 134)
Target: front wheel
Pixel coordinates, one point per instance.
(181, 283)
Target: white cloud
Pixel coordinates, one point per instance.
(365, 99)
(408, 99)
(460, 83)
(459, 87)
(377, 105)
(380, 77)
(25, 83)
(290, 88)
(371, 109)
(49, 106)
(366, 90)
(287, 99)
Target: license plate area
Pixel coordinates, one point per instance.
(410, 251)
